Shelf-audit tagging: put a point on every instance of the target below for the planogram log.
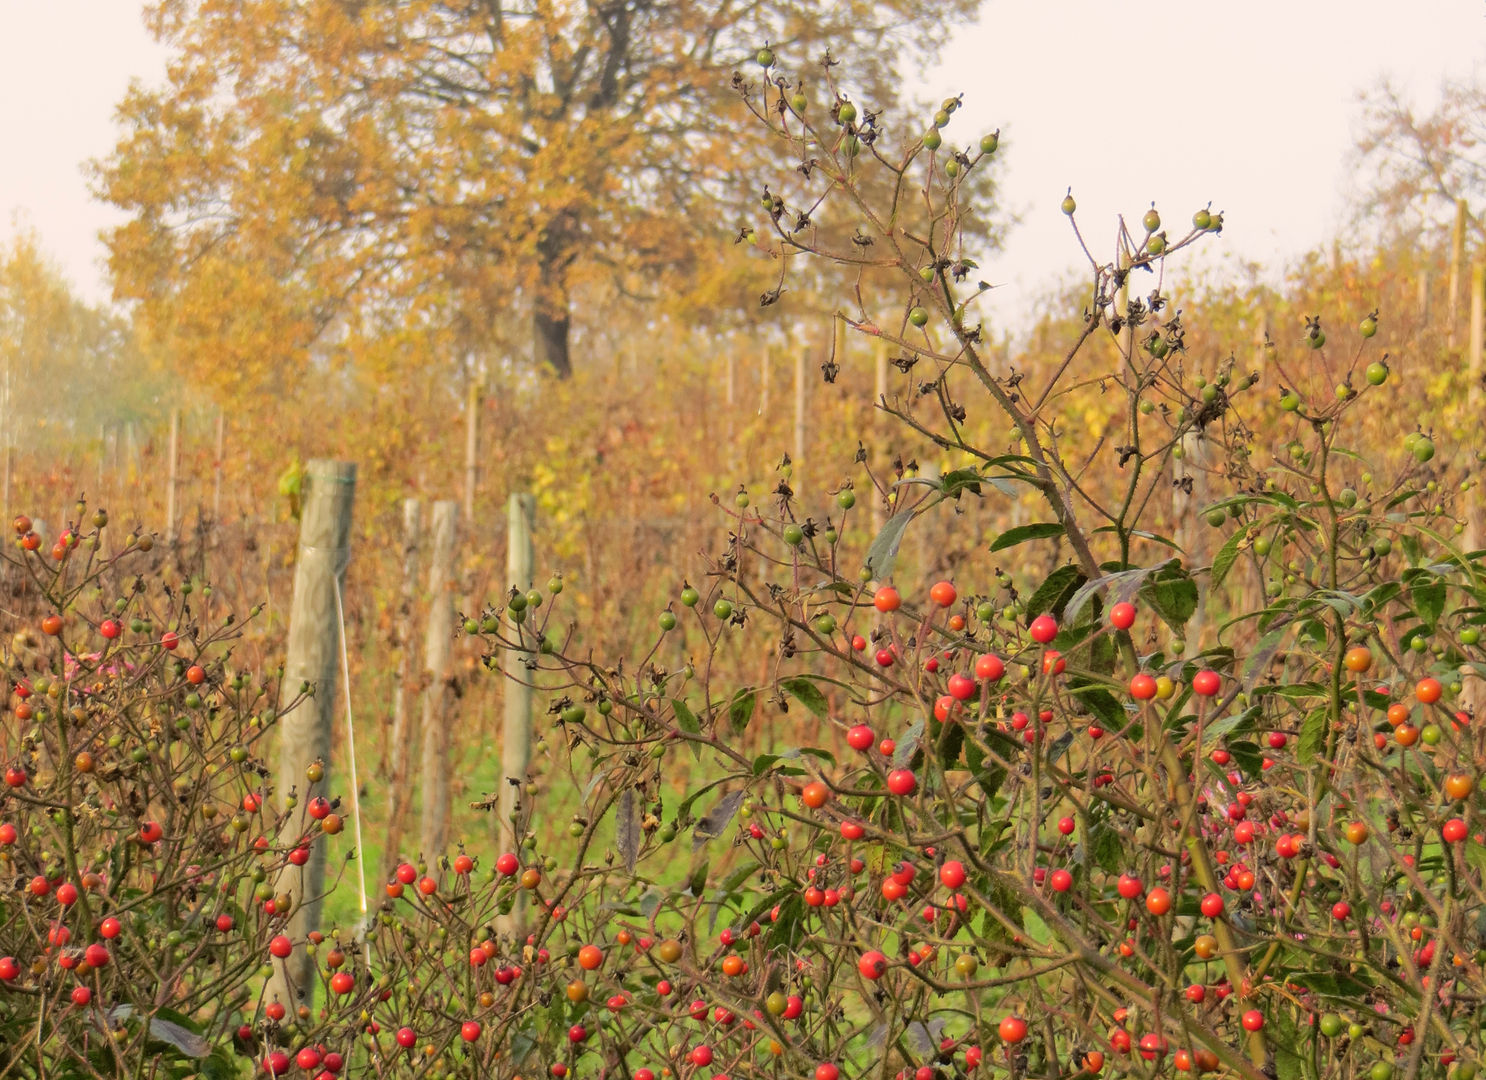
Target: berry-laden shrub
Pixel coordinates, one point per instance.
(1134, 814)
(1089, 807)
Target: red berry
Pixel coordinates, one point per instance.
(860, 737)
(507, 865)
(1206, 683)
(952, 874)
(406, 1038)
(280, 946)
(469, 1031)
(1122, 616)
(989, 667)
(872, 965)
(1143, 687)
(887, 599)
(961, 687)
(1012, 1029)
(902, 782)
(1043, 629)
(1253, 1020)
(943, 594)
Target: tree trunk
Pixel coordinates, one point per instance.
(551, 325)
(552, 306)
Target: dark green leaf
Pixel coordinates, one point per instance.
(1020, 534)
(1312, 735)
(686, 720)
(1225, 558)
(1172, 594)
(1427, 594)
(740, 710)
(1100, 702)
(958, 481)
(1053, 594)
(806, 693)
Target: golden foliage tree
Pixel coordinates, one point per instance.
(386, 183)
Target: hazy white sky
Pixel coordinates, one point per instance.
(1251, 105)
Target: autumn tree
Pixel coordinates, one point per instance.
(388, 183)
(57, 352)
(1422, 161)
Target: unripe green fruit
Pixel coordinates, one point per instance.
(847, 113)
(667, 620)
(1290, 401)
(799, 103)
(846, 498)
(1316, 338)
(1202, 220)
(765, 57)
(1069, 206)
(1151, 221)
(723, 609)
(932, 139)
(918, 316)
(1377, 373)
(941, 119)
(988, 143)
(690, 596)
(793, 535)
(1368, 327)
(825, 625)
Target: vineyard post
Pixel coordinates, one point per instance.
(405, 687)
(516, 731)
(437, 643)
(879, 396)
(172, 474)
(1475, 506)
(1422, 301)
(802, 403)
(313, 659)
(472, 448)
(1457, 263)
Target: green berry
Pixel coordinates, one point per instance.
(847, 113)
(918, 316)
(667, 620)
(1069, 206)
(846, 498)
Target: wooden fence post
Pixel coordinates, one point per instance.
(304, 732)
(1192, 468)
(399, 767)
(516, 729)
(1475, 505)
(475, 397)
(172, 474)
(436, 652)
(1422, 300)
(802, 398)
(879, 396)
(1457, 265)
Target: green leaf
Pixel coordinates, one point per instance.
(884, 550)
(988, 774)
(1100, 702)
(1257, 664)
(686, 720)
(1020, 534)
(1053, 594)
(1427, 593)
(958, 481)
(740, 710)
(1172, 594)
(1312, 735)
(1106, 848)
(1225, 558)
(806, 693)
